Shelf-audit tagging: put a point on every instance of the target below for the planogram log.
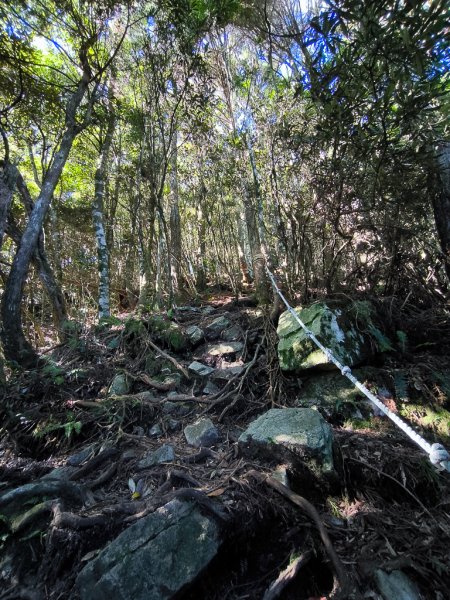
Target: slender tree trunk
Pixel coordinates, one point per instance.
(7, 185)
(16, 347)
(98, 218)
(441, 201)
(200, 282)
(45, 271)
(46, 275)
(175, 223)
(255, 224)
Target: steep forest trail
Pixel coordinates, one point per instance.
(103, 436)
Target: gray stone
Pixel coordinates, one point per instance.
(396, 586)
(176, 408)
(163, 454)
(155, 431)
(138, 430)
(194, 334)
(211, 388)
(227, 372)
(173, 424)
(335, 394)
(294, 429)
(231, 334)
(200, 369)
(155, 558)
(77, 459)
(208, 310)
(201, 433)
(188, 309)
(224, 348)
(215, 328)
(337, 327)
(173, 380)
(120, 385)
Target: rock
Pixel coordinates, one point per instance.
(336, 326)
(155, 431)
(211, 388)
(194, 334)
(155, 558)
(232, 334)
(173, 424)
(201, 433)
(396, 586)
(228, 372)
(168, 332)
(200, 369)
(208, 310)
(173, 380)
(138, 430)
(335, 394)
(222, 349)
(176, 408)
(216, 327)
(163, 454)
(120, 385)
(75, 460)
(293, 429)
(187, 309)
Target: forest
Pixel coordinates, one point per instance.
(192, 191)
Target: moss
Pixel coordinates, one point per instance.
(435, 418)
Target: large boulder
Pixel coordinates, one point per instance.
(294, 430)
(155, 558)
(342, 328)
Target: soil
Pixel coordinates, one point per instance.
(386, 507)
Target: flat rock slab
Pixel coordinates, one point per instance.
(201, 433)
(200, 369)
(215, 328)
(155, 558)
(293, 429)
(228, 372)
(224, 348)
(396, 586)
(163, 454)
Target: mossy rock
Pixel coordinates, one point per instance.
(335, 396)
(337, 326)
(170, 333)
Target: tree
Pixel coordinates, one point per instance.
(92, 63)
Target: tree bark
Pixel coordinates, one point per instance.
(175, 223)
(441, 201)
(7, 185)
(16, 347)
(98, 219)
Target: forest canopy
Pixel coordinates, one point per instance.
(154, 150)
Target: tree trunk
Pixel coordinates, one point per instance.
(42, 263)
(175, 223)
(98, 220)
(441, 201)
(255, 223)
(200, 282)
(7, 185)
(16, 347)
